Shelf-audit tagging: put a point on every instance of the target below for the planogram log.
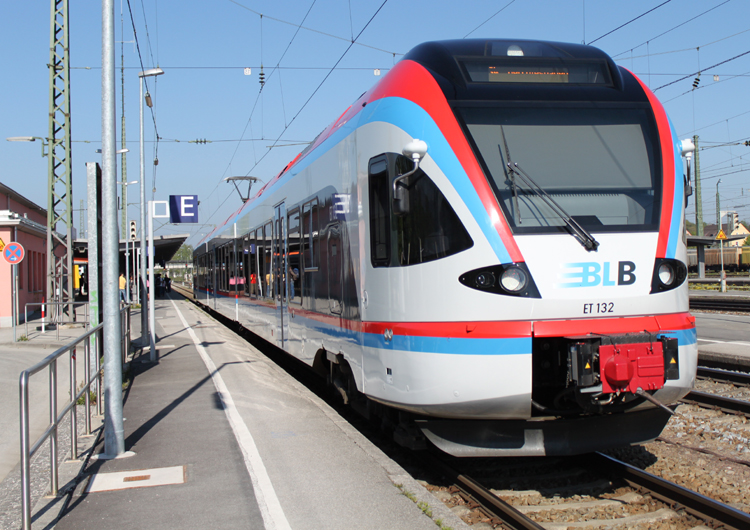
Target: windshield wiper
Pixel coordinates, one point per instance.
(583, 236)
(514, 188)
(580, 233)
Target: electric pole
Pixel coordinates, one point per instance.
(698, 200)
(60, 182)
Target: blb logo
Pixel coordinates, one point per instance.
(593, 274)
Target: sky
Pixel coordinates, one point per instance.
(319, 56)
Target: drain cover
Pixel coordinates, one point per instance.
(139, 478)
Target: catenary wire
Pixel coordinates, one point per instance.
(304, 105)
(313, 30)
(704, 70)
(671, 29)
(255, 104)
(493, 16)
(629, 21)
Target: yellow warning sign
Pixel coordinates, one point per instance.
(2, 244)
(588, 366)
(673, 361)
(721, 235)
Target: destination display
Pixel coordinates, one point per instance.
(506, 70)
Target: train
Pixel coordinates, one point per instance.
(736, 259)
(484, 252)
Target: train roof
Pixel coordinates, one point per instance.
(472, 69)
(463, 69)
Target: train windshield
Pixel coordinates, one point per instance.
(599, 165)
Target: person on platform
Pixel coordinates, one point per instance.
(123, 286)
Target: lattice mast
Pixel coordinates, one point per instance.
(60, 182)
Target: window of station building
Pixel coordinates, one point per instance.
(310, 238)
(430, 228)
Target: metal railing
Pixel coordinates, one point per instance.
(55, 419)
(55, 317)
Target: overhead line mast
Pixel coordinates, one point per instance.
(60, 182)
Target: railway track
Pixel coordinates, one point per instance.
(650, 502)
(724, 376)
(636, 499)
(712, 400)
(700, 303)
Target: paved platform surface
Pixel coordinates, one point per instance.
(224, 438)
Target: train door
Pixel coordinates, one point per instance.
(335, 269)
(280, 276)
(214, 275)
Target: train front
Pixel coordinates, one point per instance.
(582, 257)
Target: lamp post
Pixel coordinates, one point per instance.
(718, 208)
(144, 293)
(30, 139)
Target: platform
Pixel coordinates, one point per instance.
(224, 438)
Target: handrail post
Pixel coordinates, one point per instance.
(99, 378)
(25, 458)
(87, 377)
(53, 422)
(73, 410)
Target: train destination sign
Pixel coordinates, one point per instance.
(536, 70)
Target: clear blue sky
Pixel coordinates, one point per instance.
(204, 47)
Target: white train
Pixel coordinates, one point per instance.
(485, 249)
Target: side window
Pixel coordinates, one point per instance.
(294, 256)
(427, 230)
(239, 266)
(380, 208)
(260, 258)
(267, 259)
(251, 265)
(310, 237)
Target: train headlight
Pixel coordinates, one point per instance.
(513, 279)
(509, 279)
(668, 274)
(485, 280)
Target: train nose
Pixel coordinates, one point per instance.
(632, 366)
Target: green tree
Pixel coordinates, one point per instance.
(184, 254)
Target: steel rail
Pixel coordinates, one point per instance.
(671, 493)
(725, 404)
(720, 304)
(724, 376)
(484, 497)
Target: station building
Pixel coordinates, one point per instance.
(22, 221)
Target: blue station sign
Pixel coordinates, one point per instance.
(183, 208)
